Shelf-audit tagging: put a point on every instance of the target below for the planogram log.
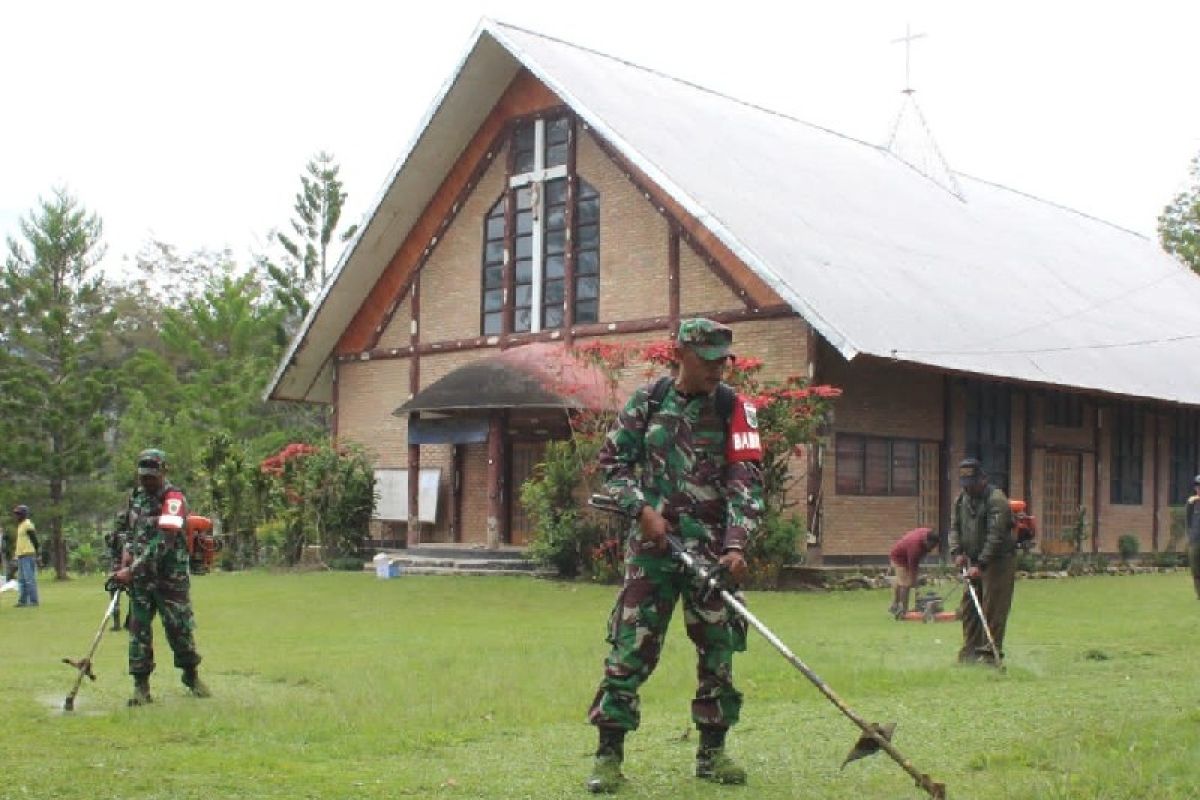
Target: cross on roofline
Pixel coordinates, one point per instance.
(908, 39)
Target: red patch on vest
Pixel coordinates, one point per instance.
(743, 442)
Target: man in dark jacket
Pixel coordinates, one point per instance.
(982, 543)
(1193, 529)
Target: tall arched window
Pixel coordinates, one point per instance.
(538, 238)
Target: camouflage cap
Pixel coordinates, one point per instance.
(710, 340)
(151, 462)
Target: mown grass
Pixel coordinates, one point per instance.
(341, 685)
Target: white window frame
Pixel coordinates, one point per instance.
(536, 181)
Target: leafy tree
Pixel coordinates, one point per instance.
(55, 390)
(304, 267)
(239, 493)
(195, 391)
(1179, 224)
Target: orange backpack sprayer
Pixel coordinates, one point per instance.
(202, 545)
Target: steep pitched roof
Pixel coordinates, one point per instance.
(878, 258)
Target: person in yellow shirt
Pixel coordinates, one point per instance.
(26, 551)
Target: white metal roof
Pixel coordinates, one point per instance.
(878, 258)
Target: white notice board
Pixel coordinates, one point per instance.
(392, 487)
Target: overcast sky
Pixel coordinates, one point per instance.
(191, 122)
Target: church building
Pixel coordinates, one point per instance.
(554, 195)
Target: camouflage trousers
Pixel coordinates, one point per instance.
(637, 630)
(168, 595)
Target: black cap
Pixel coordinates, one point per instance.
(969, 471)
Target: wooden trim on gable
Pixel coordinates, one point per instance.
(673, 277)
(732, 271)
(524, 95)
(595, 329)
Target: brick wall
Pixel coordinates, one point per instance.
(884, 400)
(398, 333)
(368, 393)
(633, 241)
(451, 280)
(699, 287)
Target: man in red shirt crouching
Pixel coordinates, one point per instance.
(906, 558)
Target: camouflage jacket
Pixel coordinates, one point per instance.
(675, 462)
(154, 535)
(981, 527)
(1193, 520)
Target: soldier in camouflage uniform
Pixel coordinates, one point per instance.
(673, 468)
(982, 542)
(155, 568)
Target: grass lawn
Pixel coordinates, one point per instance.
(339, 685)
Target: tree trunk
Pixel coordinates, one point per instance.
(58, 546)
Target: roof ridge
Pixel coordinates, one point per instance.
(690, 84)
(1075, 211)
(797, 120)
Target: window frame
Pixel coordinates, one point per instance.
(988, 429)
(889, 486)
(541, 176)
(1127, 455)
(1184, 454)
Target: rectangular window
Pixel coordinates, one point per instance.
(523, 248)
(1185, 454)
(877, 466)
(1063, 410)
(989, 421)
(493, 269)
(1128, 437)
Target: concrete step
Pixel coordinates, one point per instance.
(424, 570)
(411, 564)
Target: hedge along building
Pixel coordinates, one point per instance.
(556, 195)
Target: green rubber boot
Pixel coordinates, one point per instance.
(718, 767)
(606, 777)
(191, 679)
(141, 692)
(713, 763)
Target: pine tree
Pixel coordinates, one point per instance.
(55, 390)
(304, 267)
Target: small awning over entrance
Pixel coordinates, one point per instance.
(541, 375)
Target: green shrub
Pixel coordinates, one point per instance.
(1177, 531)
(1027, 562)
(1128, 546)
(84, 559)
(346, 563)
(562, 538)
(773, 547)
(1170, 560)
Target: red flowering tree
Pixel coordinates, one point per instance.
(324, 495)
(791, 414)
